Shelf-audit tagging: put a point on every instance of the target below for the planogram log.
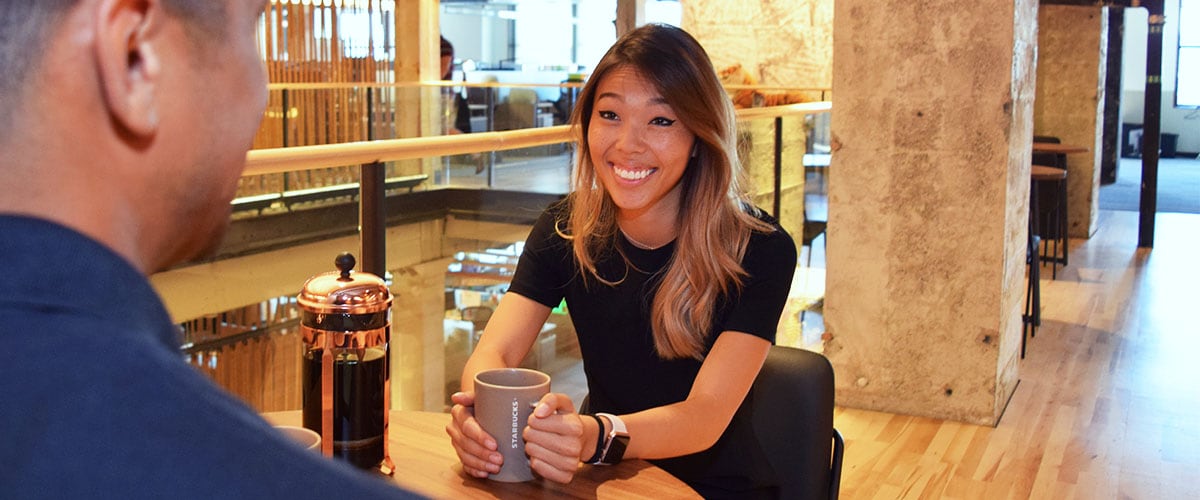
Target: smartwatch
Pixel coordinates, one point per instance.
(615, 443)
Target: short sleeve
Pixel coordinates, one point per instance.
(546, 265)
(770, 262)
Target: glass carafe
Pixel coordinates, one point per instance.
(346, 327)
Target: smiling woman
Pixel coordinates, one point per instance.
(675, 283)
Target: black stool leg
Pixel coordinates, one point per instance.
(1033, 292)
(1066, 223)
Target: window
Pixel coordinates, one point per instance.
(1187, 67)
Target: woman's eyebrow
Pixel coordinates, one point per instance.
(655, 100)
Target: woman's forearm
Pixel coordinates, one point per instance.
(674, 430)
(696, 423)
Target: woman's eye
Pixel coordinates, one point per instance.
(662, 122)
(607, 115)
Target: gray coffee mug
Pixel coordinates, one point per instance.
(504, 399)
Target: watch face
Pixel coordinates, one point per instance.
(616, 449)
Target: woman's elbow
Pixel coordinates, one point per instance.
(708, 433)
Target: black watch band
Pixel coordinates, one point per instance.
(599, 440)
(614, 443)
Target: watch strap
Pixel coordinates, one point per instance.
(617, 423)
(615, 441)
(599, 440)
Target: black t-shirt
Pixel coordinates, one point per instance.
(624, 372)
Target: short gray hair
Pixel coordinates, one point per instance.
(27, 25)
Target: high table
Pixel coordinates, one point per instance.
(426, 464)
(1060, 237)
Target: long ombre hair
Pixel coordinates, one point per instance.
(715, 219)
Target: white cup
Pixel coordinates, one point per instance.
(303, 436)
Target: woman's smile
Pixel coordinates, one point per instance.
(633, 174)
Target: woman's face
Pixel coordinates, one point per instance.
(638, 146)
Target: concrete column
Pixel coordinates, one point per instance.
(417, 58)
(928, 204)
(418, 349)
(418, 110)
(1072, 62)
(1114, 52)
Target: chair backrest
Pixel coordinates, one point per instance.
(479, 315)
(793, 421)
(479, 95)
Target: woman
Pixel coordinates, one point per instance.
(674, 281)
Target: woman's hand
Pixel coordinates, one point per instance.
(554, 438)
(476, 449)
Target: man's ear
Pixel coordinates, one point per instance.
(128, 62)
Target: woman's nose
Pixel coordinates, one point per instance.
(630, 139)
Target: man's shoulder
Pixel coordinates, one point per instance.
(126, 419)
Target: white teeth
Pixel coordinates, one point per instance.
(632, 175)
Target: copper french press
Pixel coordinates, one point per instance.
(346, 326)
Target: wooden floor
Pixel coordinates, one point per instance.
(1108, 404)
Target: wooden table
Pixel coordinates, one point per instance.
(426, 464)
(1056, 148)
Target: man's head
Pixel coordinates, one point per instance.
(447, 52)
(26, 25)
(129, 120)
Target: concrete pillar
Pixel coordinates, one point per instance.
(418, 110)
(1114, 52)
(418, 350)
(928, 204)
(1072, 62)
(417, 59)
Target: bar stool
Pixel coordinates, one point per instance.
(1050, 214)
(1032, 319)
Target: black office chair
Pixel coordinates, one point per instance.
(478, 316)
(792, 417)
(793, 420)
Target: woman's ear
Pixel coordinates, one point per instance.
(695, 147)
(128, 63)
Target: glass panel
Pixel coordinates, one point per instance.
(475, 282)
(539, 169)
(803, 207)
(1187, 86)
(1189, 15)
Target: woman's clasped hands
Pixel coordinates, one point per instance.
(553, 438)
